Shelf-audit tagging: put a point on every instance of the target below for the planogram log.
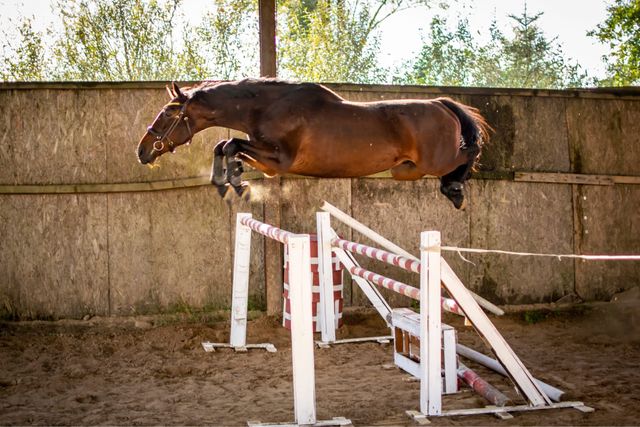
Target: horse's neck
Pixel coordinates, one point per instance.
(228, 109)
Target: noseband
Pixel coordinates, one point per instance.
(158, 144)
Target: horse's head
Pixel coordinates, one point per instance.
(172, 127)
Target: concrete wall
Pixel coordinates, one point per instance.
(117, 253)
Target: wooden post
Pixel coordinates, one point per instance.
(267, 18)
(239, 299)
(304, 388)
(430, 327)
(326, 312)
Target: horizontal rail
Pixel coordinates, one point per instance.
(267, 230)
(379, 254)
(402, 288)
(205, 181)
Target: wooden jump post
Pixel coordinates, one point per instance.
(302, 345)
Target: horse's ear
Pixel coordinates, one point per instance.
(170, 92)
(177, 92)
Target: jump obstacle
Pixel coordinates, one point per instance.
(302, 345)
(424, 330)
(409, 327)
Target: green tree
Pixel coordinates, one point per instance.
(334, 40)
(327, 40)
(121, 40)
(27, 61)
(527, 59)
(227, 37)
(447, 60)
(621, 31)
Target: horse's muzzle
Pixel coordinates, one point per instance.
(144, 157)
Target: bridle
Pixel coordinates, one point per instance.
(158, 144)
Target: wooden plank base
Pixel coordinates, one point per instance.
(211, 347)
(504, 412)
(379, 340)
(336, 421)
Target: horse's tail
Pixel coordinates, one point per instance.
(474, 128)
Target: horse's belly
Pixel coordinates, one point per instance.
(343, 163)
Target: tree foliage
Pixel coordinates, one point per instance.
(27, 60)
(526, 59)
(621, 31)
(122, 40)
(327, 40)
(227, 38)
(118, 40)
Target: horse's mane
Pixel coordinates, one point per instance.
(249, 87)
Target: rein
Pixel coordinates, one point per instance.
(158, 144)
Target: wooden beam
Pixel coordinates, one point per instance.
(267, 22)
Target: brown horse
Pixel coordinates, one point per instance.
(307, 129)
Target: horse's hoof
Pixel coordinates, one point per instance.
(223, 190)
(243, 189)
(457, 199)
(454, 192)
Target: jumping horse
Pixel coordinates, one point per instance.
(307, 129)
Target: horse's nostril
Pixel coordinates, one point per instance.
(140, 151)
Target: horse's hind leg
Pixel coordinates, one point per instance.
(452, 184)
(217, 169)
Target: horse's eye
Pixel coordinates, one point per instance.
(169, 113)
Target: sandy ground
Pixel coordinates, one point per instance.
(153, 371)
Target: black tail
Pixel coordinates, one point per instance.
(474, 128)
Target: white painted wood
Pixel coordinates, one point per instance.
(450, 360)
(516, 369)
(409, 366)
(335, 421)
(240, 292)
(304, 390)
(519, 408)
(326, 311)
(406, 319)
(385, 339)
(392, 247)
(418, 417)
(430, 328)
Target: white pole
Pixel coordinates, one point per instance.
(326, 314)
(304, 389)
(430, 327)
(392, 247)
(240, 293)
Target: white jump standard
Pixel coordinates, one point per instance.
(427, 327)
(302, 345)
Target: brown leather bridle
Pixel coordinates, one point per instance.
(181, 117)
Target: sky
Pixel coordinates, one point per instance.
(403, 33)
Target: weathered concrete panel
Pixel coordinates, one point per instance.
(128, 126)
(609, 223)
(302, 198)
(526, 218)
(53, 136)
(53, 253)
(540, 135)
(400, 211)
(169, 248)
(604, 136)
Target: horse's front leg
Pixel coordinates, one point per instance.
(231, 149)
(217, 169)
